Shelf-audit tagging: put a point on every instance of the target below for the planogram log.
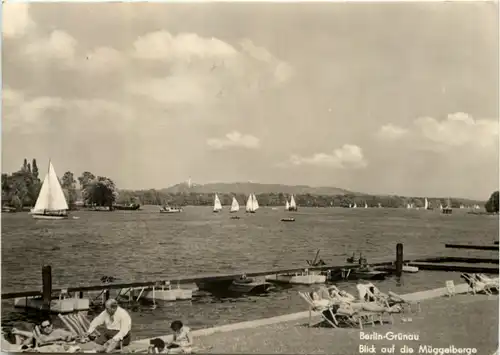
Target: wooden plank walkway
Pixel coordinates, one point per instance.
(200, 278)
(456, 267)
(472, 246)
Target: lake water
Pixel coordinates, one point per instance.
(146, 245)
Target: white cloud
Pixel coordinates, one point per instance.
(390, 131)
(103, 59)
(456, 130)
(205, 70)
(234, 139)
(38, 114)
(161, 45)
(16, 19)
(57, 46)
(347, 157)
(459, 129)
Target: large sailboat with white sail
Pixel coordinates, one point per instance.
(252, 204)
(217, 204)
(51, 202)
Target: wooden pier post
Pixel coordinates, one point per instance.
(47, 286)
(399, 259)
(106, 295)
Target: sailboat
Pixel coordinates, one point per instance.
(235, 206)
(51, 202)
(217, 204)
(355, 205)
(252, 204)
(447, 209)
(427, 205)
(293, 205)
(287, 206)
(366, 205)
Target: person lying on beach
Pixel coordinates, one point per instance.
(320, 302)
(43, 335)
(183, 340)
(336, 294)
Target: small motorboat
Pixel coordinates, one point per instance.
(167, 209)
(361, 273)
(304, 278)
(245, 284)
(289, 219)
(392, 268)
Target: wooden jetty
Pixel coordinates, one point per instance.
(472, 246)
(456, 267)
(72, 298)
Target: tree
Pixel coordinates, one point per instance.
(34, 170)
(100, 192)
(491, 205)
(68, 183)
(85, 179)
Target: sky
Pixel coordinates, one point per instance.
(377, 98)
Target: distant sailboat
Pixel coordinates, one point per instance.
(293, 205)
(217, 204)
(287, 206)
(252, 204)
(51, 202)
(447, 209)
(355, 205)
(235, 206)
(426, 204)
(366, 205)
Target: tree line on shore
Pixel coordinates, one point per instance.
(21, 188)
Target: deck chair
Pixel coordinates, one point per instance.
(336, 320)
(405, 303)
(494, 282)
(366, 295)
(76, 323)
(476, 285)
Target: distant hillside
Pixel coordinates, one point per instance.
(246, 188)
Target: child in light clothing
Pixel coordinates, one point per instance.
(183, 340)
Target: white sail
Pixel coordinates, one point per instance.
(51, 196)
(217, 204)
(235, 206)
(366, 205)
(287, 206)
(293, 205)
(408, 206)
(255, 203)
(355, 205)
(426, 203)
(248, 206)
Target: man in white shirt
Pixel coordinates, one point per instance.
(118, 324)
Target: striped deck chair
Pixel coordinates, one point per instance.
(76, 323)
(336, 320)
